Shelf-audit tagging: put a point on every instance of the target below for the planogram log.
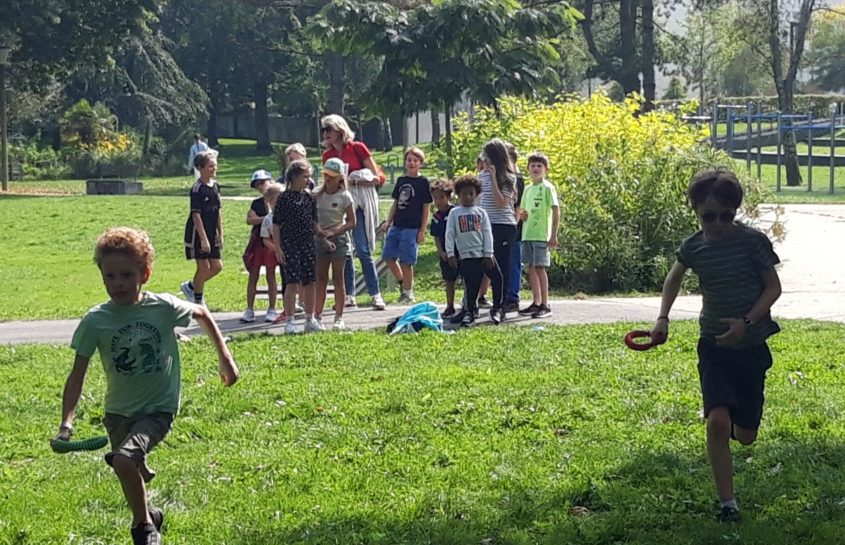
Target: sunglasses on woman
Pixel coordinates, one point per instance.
(724, 217)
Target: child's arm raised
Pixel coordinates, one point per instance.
(71, 395)
(671, 286)
(228, 367)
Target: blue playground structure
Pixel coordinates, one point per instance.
(754, 138)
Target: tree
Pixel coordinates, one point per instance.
(784, 50)
(827, 49)
(676, 90)
(53, 37)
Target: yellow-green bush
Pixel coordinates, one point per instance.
(621, 179)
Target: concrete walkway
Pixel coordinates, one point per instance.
(811, 275)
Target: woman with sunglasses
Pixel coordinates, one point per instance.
(735, 265)
(339, 141)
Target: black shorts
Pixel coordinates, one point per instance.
(196, 253)
(135, 437)
(300, 263)
(734, 379)
(447, 272)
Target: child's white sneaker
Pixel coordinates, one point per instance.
(350, 302)
(271, 315)
(249, 316)
(338, 324)
(407, 297)
(290, 329)
(313, 325)
(378, 302)
(187, 291)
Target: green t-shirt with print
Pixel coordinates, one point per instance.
(138, 349)
(538, 200)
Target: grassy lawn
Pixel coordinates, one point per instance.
(48, 272)
(238, 159)
(506, 436)
(793, 195)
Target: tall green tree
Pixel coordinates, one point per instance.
(826, 55)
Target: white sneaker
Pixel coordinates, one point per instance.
(407, 297)
(187, 291)
(338, 324)
(313, 325)
(249, 316)
(350, 302)
(271, 315)
(290, 329)
(298, 309)
(378, 302)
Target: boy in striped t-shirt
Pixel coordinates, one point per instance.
(735, 265)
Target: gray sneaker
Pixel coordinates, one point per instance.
(187, 291)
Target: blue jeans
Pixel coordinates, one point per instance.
(362, 250)
(515, 277)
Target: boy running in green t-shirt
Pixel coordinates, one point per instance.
(133, 332)
(540, 214)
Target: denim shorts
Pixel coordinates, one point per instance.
(401, 245)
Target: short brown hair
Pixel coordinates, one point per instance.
(417, 152)
(468, 180)
(720, 183)
(203, 158)
(126, 241)
(442, 184)
(538, 157)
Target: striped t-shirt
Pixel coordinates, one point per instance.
(498, 216)
(730, 276)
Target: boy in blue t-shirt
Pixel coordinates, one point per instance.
(735, 265)
(441, 192)
(407, 222)
(133, 332)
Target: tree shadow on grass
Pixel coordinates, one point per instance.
(790, 489)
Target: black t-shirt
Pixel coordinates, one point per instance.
(438, 223)
(411, 195)
(260, 208)
(205, 199)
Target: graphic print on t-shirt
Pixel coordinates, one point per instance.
(136, 349)
(469, 223)
(406, 194)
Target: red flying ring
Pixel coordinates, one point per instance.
(631, 340)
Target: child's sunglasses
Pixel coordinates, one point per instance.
(724, 217)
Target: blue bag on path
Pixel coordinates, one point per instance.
(419, 316)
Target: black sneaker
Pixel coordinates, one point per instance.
(145, 534)
(468, 319)
(458, 318)
(448, 313)
(529, 310)
(157, 516)
(513, 306)
(543, 311)
(727, 515)
(496, 315)
(483, 302)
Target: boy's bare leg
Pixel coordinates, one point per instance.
(534, 282)
(308, 298)
(407, 277)
(290, 300)
(543, 277)
(719, 451)
(394, 268)
(133, 488)
(450, 294)
(200, 275)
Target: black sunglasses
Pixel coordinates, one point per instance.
(725, 217)
(325, 129)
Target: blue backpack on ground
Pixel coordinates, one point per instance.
(419, 316)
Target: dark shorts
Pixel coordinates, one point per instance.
(196, 253)
(734, 379)
(447, 272)
(135, 437)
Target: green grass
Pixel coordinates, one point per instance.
(47, 247)
(492, 436)
(792, 195)
(238, 160)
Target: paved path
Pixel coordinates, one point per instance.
(811, 275)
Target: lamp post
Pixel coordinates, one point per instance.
(4, 140)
